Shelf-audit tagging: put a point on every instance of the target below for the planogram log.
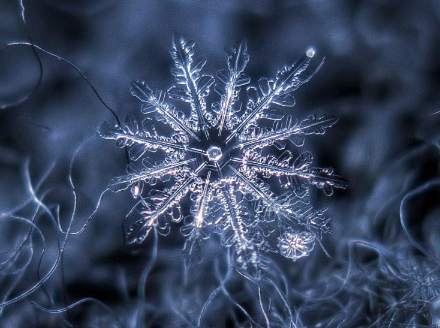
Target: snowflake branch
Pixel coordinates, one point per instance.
(316, 123)
(323, 178)
(258, 191)
(155, 102)
(147, 140)
(245, 250)
(287, 80)
(237, 61)
(139, 230)
(125, 181)
(197, 88)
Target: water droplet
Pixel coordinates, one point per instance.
(310, 52)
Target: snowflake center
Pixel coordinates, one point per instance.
(214, 153)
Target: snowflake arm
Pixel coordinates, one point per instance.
(278, 91)
(289, 207)
(155, 103)
(230, 87)
(194, 228)
(196, 87)
(290, 171)
(235, 234)
(141, 141)
(258, 189)
(289, 129)
(163, 203)
(149, 174)
(201, 209)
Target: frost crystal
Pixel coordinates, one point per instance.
(243, 182)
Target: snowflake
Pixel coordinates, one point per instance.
(235, 168)
(294, 244)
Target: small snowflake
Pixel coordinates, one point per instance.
(294, 244)
(225, 159)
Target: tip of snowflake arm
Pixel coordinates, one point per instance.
(108, 131)
(141, 90)
(138, 231)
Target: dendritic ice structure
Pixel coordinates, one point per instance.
(227, 160)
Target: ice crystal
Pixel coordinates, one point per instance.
(243, 182)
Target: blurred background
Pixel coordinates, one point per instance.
(381, 77)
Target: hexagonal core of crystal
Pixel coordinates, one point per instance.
(214, 153)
